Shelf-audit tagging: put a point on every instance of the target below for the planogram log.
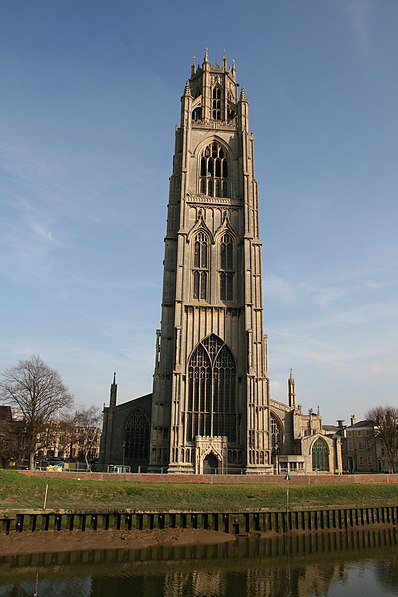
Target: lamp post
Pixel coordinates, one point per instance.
(287, 479)
(123, 448)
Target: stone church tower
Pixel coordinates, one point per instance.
(210, 403)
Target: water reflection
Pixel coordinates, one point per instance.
(328, 564)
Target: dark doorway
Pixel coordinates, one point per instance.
(210, 465)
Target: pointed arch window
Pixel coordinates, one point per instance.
(136, 436)
(320, 456)
(226, 272)
(197, 113)
(216, 103)
(275, 434)
(213, 180)
(200, 270)
(211, 403)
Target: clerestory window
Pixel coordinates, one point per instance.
(200, 270)
(214, 179)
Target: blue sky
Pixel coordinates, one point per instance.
(89, 102)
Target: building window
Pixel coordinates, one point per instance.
(213, 178)
(197, 113)
(226, 273)
(226, 252)
(216, 103)
(200, 266)
(275, 434)
(136, 437)
(211, 404)
(359, 433)
(320, 456)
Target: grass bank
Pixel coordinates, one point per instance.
(18, 492)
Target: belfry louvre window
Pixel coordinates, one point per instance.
(226, 268)
(216, 103)
(136, 437)
(214, 171)
(200, 266)
(211, 404)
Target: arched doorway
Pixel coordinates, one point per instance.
(210, 464)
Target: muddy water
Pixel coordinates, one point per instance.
(354, 564)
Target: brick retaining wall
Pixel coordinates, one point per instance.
(316, 479)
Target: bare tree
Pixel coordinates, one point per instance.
(87, 431)
(385, 420)
(9, 443)
(39, 395)
(11, 440)
(55, 438)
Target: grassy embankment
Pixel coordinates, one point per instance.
(18, 492)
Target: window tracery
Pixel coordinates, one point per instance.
(216, 103)
(211, 404)
(136, 437)
(200, 266)
(320, 456)
(226, 268)
(214, 179)
(275, 434)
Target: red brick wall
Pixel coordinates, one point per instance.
(220, 479)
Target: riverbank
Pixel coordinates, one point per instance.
(55, 542)
(215, 493)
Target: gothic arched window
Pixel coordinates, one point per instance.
(320, 456)
(136, 436)
(200, 266)
(211, 404)
(214, 171)
(197, 113)
(226, 268)
(216, 103)
(275, 434)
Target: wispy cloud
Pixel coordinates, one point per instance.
(359, 12)
(334, 326)
(27, 240)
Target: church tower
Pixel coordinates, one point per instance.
(210, 403)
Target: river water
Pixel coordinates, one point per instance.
(354, 564)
